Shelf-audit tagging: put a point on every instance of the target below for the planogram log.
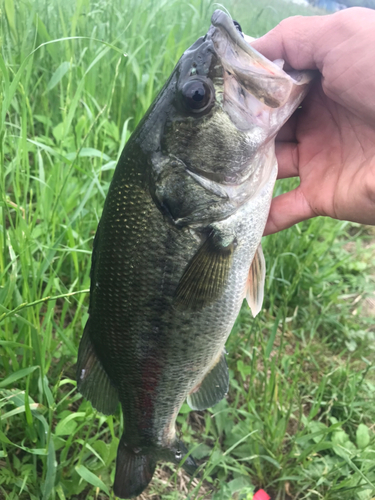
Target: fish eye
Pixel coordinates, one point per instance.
(178, 455)
(196, 95)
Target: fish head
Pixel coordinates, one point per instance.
(218, 112)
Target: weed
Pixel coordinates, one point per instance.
(298, 419)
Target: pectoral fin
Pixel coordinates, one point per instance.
(255, 282)
(206, 275)
(213, 388)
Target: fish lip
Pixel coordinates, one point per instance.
(222, 21)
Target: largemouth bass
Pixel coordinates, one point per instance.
(178, 245)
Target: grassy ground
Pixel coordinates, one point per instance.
(299, 417)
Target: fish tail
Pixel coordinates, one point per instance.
(134, 470)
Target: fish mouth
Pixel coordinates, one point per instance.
(265, 80)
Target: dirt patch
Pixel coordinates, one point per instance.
(181, 483)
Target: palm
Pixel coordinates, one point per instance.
(333, 153)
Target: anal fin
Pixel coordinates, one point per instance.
(213, 388)
(255, 282)
(92, 380)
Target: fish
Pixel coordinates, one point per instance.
(178, 245)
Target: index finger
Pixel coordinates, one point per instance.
(339, 45)
(304, 41)
(294, 41)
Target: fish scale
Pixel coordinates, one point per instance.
(178, 246)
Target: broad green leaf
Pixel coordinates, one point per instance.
(89, 152)
(244, 370)
(10, 13)
(363, 436)
(89, 447)
(340, 437)
(67, 425)
(58, 75)
(47, 391)
(15, 396)
(272, 338)
(201, 451)
(185, 408)
(91, 478)
(4, 439)
(58, 131)
(44, 35)
(50, 151)
(113, 450)
(345, 450)
(34, 451)
(101, 449)
(60, 492)
(18, 375)
(318, 430)
(51, 471)
(20, 409)
(13, 345)
(239, 484)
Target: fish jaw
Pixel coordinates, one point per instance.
(267, 80)
(257, 91)
(259, 75)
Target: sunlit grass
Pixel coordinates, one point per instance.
(300, 408)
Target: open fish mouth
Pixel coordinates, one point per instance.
(267, 81)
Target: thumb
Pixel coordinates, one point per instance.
(286, 210)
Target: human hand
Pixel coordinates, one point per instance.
(329, 142)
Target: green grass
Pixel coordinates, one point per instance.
(299, 415)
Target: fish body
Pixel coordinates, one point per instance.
(178, 245)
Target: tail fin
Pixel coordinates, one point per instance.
(134, 471)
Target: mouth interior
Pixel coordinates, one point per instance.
(223, 22)
(262, 78)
